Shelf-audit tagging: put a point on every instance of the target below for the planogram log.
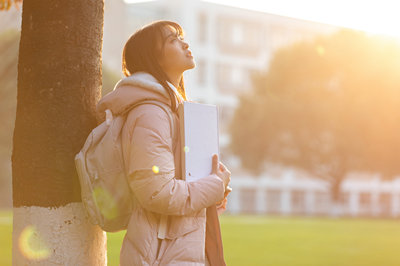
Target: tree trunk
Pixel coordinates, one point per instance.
(336, 190)
(59, 81)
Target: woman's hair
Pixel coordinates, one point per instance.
(142, 50)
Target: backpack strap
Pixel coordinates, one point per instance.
(167, 109)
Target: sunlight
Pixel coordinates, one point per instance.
(377, 17)
(105, 202)
(320, 50)
(138, 1)
(155, 169)
(32, 245)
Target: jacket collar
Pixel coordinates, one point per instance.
(130, 90)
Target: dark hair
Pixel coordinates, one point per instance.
(142, 50)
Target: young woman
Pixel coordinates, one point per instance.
(173, 222)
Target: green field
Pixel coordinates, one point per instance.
(264, 240)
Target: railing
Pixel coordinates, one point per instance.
(290, 194)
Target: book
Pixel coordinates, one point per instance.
(199, 138)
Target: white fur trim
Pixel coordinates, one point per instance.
(144, 80)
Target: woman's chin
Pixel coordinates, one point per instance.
(192, 65)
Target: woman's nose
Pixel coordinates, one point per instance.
(185, 45)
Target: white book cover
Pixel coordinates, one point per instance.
(199, 138)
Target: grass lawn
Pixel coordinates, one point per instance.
(264, 240)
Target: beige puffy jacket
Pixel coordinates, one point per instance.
(152, 161)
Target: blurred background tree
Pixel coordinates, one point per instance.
(328, 107)
(7, 4)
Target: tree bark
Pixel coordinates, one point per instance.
(59, 82)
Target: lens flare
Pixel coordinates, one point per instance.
(105, 202)
(31, 245)
(320, 50)
(155, 169)
(186, 149)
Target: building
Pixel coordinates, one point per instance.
(290, 192)
(228, 43)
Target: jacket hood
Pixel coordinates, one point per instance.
(130, 90)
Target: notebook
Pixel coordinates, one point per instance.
(199, 138)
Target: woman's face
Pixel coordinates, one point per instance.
(175, 56)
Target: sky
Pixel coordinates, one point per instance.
(378, 17)
(381, 17)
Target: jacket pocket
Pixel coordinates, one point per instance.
(182, 225)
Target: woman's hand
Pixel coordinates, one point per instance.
(221, 171)
(221, 206)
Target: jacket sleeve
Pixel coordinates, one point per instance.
(151, 167)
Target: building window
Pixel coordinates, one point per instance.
(344, 198)
(273, 197)
(222, 77)
(237, 34)
(237, 76)
(232, 79)
(202, 27)
(238, 37)
(385, 204)
(278, 36)
(225, 113)
(298, 201)
(201, 71)
(365, 202)
(248, 200)
(322, 202)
